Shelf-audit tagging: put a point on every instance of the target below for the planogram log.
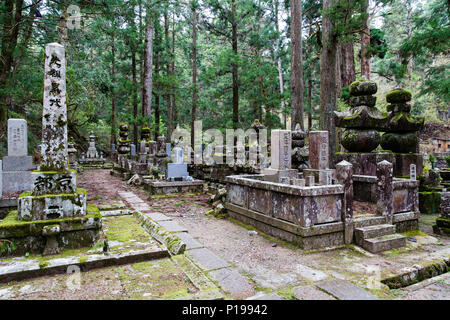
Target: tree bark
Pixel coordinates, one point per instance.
(167, 95)
(365, 42)
(328, 79)
(348, 63)
(148, 65)
(297, 65)
(194, 72)
(113, 94)
(234, 65)
(280, 69)
(134, 92)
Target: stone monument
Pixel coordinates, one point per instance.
(177, 170)
(319, 159)
(17, 165)
(53, 215)
(281, 157)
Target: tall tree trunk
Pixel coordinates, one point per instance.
(328, 78)
(338, 71)
(113, 90)
(234, 65)
(172, 74)
(280, 68)
(348, 63)
(194, 71)
(167, 95)
(9, 42)
(134, 93)
(148, 65)
(365, 42)
(157, 68)
(309, 77)
(297, 65)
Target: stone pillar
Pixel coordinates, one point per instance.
(281, 149)
(344, 175)
(1, 179)
(318, 150)
(385, 190)
(54, 120)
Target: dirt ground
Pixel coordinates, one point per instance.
(270, 264)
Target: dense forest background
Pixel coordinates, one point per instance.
(226, 62)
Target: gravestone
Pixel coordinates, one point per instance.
(1, 179)
(178, 169)
(132, 150)
(113, 147)
(318, 150)
(92, 150)
(169, 149)
(281, 154)
(17, 165)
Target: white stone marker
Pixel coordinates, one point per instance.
(311, 181)
(17, 138)
(281, 149)
(54, 120)
(412, 172)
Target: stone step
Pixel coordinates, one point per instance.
(369, 221)
(370, 232)
(384, 243)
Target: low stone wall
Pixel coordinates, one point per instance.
(217, 173)
(308, 216)
(171, 187)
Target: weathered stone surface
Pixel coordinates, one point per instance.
(369, 232)
(399, 142)
(310, 293)
(357, 101)
(399, 96)
(344, 290)
(365, 163)
(177, 170)
(265, 296)
(281, 149)
(1, 179)
(157, 216)
(53, 182)
(190, 242)
(385, 201)
(172, 226)
(344, 175)
(318, 150)
(445, 204)
(14, 181)
(123, 141)
(54, 119)
(383, 243)
(206, 259)
(399, 107)
(17, 138)
(360, 88)
(230, 280)
(360, 140)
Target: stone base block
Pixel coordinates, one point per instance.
(403, 162)
(23, 163)
(157, 187)
(53, 182)
(176, 170)
(16, 181)
(274, 175)
(52, 206)
(365, 163)
(32, 236)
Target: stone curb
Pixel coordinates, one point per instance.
(418, 273)
(173, 243)
(114, 213)
(59, 266)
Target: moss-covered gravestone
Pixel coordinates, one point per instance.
(400, 135)
(362, 124)
(53, 215)
(443, 222)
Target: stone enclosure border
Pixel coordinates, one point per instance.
(173, 243)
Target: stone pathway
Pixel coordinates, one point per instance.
(229, 279)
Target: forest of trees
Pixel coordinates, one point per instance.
(226, 62)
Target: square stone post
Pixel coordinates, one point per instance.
(1, 179)
(319, 157)
(385, 190)
(344, 175)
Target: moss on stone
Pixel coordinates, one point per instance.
(399, 96)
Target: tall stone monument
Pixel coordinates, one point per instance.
(54, 214)
(17, 165)
(319, 159)
(92, 150)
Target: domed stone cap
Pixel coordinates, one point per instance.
(123, 126)
(360, 140)
(363, 88)
(399, 96)
(400, 142)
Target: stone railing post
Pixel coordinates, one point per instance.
(385, 190)
(344, 175)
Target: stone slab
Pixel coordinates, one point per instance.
(177, 170)
(230, 280)
(206, 259)
(281, 149)
(310, 293)
(319, 150)
(310, 273)
(265, 296)
(190, 242)
(172, 226)
(157, 216)
(14, 181)
(344, 290)
(22, 163)
(113, 213)
(17, 137)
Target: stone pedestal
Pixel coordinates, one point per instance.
(274, 175)
(321, 177)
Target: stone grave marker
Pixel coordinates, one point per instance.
(281, 149)
(318, 150)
